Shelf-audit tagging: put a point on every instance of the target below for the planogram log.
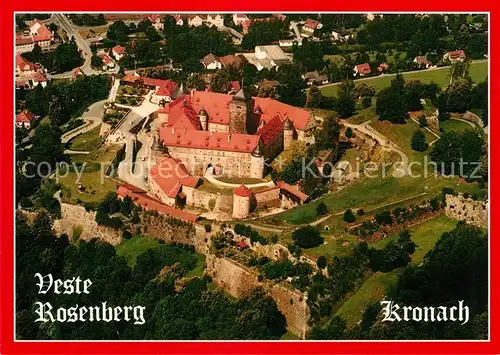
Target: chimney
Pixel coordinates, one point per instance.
(228, 138)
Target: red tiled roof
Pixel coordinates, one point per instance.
(154, 17)
(118, 49)
(230, 59)
(312, 24)
(456, 54)
(170, 175)
(38, 77)
(270, 130)
(20, 40)
(131, 78)
(363, 68)
(382, 67)
(183, 117)
(242, 245)
(23, 63)
(25, 117)
(105, 58)
(167, 89)
(270, 108)
(235, 142)
(149, 203)
(421, 59)
(43, 33)
(242, 191)
(293, 189)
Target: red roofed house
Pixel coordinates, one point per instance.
(311, 25)
(291, 195)
(39, 33)
(38, 78)
(231, 60)
(166, 91)
(24, 68)
(107, 62)
(139, 197)
(76, 73)
(362, 69)
(157, 21)
(238, 19)
(172, 183)
(455, 56)
(25, 119)
(118, 52)
(242, 245)
(211, 62)
(382, 67)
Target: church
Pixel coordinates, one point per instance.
(234, 134)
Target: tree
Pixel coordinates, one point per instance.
(422, 121)
(346, 101)
(366, 101)
(58, 112)
(192, 65)
(328, 136)
(46, 147)
(292, 87)
(418, 141)
(443, 107)
(349, 133)
(349, 216)
(307, 237)
(458, 153)
(118, 31)
(459, 95)
(412, 95)
(96, 62)
(195, 81)
(363, 90)
(391, 102)
(221, 82)
(314, 97)
(321, 209)
(321, 262)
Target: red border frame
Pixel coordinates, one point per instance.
(8, 346)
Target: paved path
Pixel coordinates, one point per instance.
(382, 140)
(209, 175)
(92, 117)
(295, 29)
(76, 152)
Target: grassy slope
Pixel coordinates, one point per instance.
(478, 72)
(375, 287)
(86, 141)
(134, 246)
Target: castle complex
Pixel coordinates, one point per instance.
(234, 135)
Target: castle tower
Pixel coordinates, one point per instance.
(288, 131)
(241, 201)
(203, 116)
(257, 163)
(157, 150)
(240, 110)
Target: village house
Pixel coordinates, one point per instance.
(231, 60)
(26, 119)
(24, 68)
(455, 56)
(76, 73)
(313, 78)
(211, 62)
(164, 89)
(195, 20)
(422, 62)
(382, 67)
(118, 52)
(336, 36)
(288, 42)
(39, 33)
(157, 21)
(310, 26)
(179, 21)
(107, 62)
(238, 19)
(362, 69)
(38, 78)
(216, 20)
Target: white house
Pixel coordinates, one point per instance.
(25, 119)
(211, 62)
(107, 61)
(118, 52)
(195, 20)
(455, 56)
(216, 20)
(24, 68)
(157, 21)
(336, 36)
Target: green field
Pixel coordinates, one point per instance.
(454, 126)
(441, 76)
(86, 141)
(376, 286)
(199, 268)
(368, 193)
(134, 246)
(95, 188)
